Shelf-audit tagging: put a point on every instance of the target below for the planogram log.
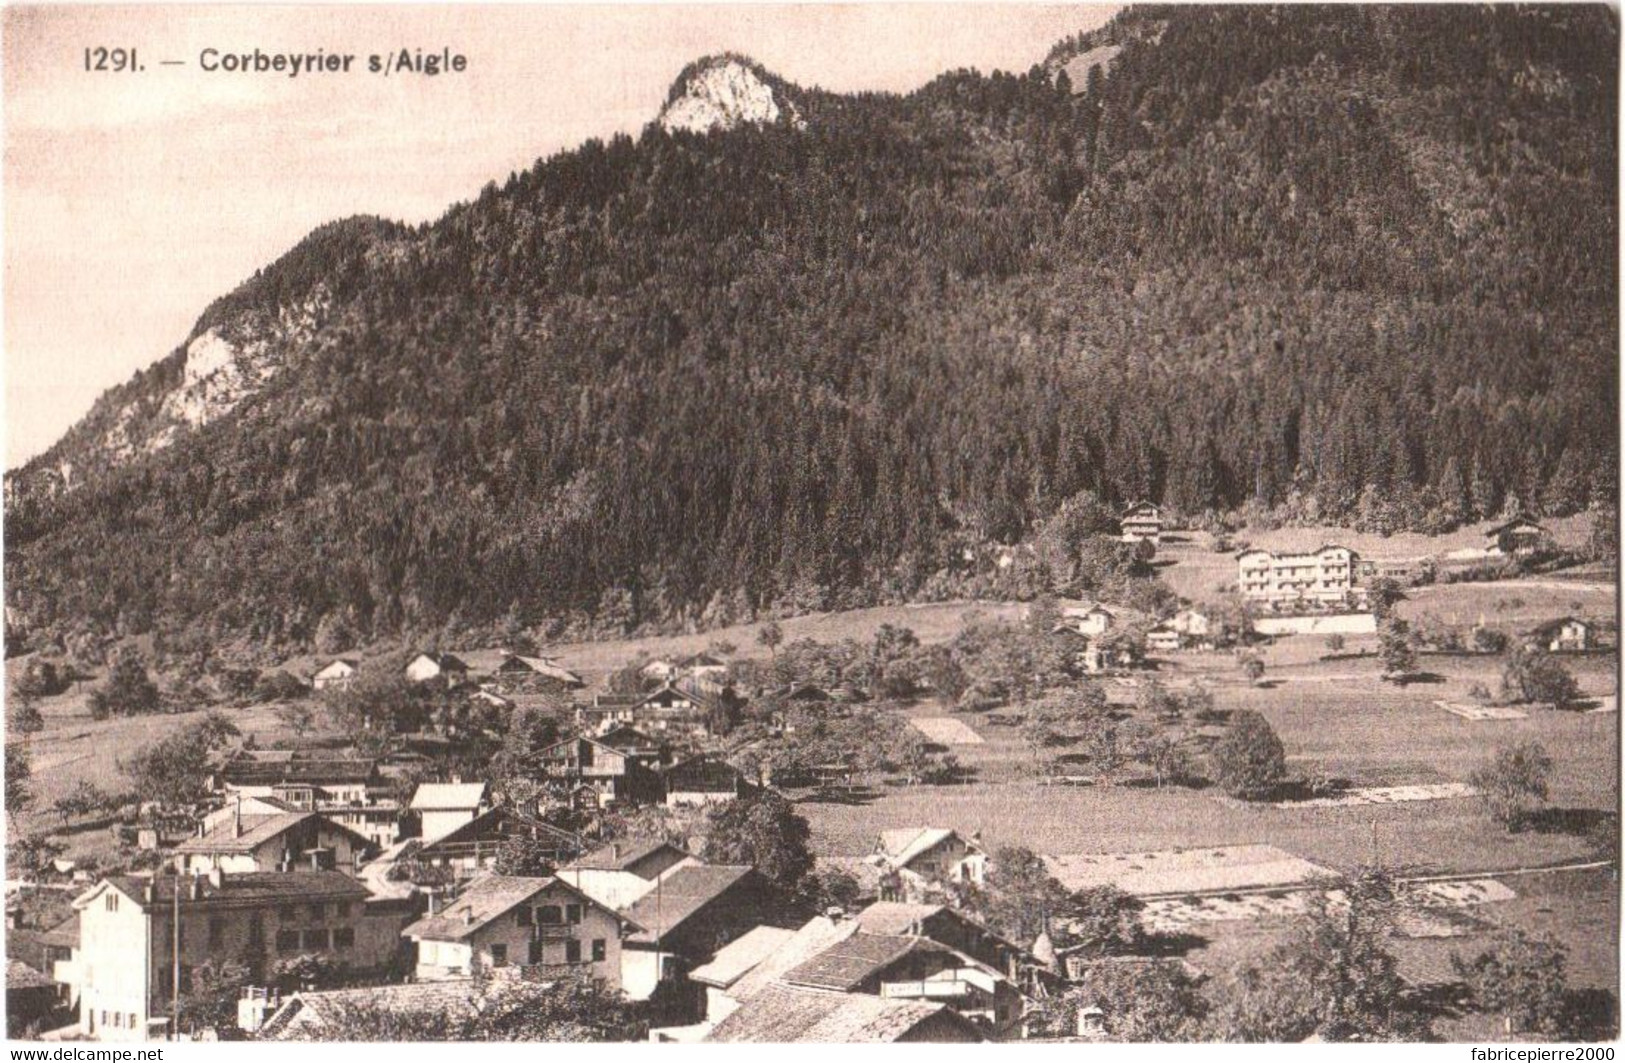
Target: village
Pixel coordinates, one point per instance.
(953, 822)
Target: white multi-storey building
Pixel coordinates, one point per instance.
(1325, 575)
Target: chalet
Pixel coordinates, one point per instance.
(1164, 639)
(1519, 537)
(675, 712)
(1325, 576)
(336, 674)
(442, 807)
(127, 937)
(1190, 622)
(427, 666)
(649, 751)
(607, 711)
(1567, 634)
(472, 848)
(619, 873)
(491, 700)
(285, 841)
(660, 671)
(928, 856)
(375, 818)
(786, 1015)
(1089, 620)
(1142, 523)
(534, 675)
(610, 776)
(692, 911)
(703, 780)
(245, 806)
(275, 772)
(508, 921)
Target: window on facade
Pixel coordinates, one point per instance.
(132, 1020)
(217, 931)
(112, 903)
(534, 952)
(344, 937)
(287, 941)
(522, 915)
(499, 955)
(572, 951)
(343, 908)
(318, 911)
(286, 913)
(550, 915)
(316, 939)
(572, 913)
(599, 950)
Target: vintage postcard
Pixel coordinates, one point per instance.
(862, 523)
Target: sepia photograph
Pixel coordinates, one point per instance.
(864, 523)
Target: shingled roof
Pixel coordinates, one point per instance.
(489, 898)
(680, 895)
(246, 889)
(846, 965)
(256, 831)
(782, 1015)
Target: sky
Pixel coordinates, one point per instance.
(133, 199)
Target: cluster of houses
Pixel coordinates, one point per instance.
(288, 891)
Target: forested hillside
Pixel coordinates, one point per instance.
(1338, 262)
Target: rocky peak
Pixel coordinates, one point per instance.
(725, 92)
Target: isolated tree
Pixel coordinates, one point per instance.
(1532, 674)
(1165, 755)
(84, 799)
(765, 831)
(22, 715)
(1249, 761)
(297, 716)
(524, 854)
(1489, 640)
(1105, 921)
(209, 1001)
(1520, 977)
(127, 691)
(174, 771)
(1382, 595)
(771, 635)
(1515, 783)
(19, 788)
(1152, 1002)
(829, 887)
(1335, 643)
(1252, 666)
(1396, 644)
(1018, 896)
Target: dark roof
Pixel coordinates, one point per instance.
(781, 1015)
(453, 994)
(701, 660)
(64, 934)
(21, 976)
(623, 856)
(1513, 523)
(846, 965)
(448, 662)
(706, 773)
(257, 830)
(681, 895)
(267, 767)
(252, 888)
(494, 823)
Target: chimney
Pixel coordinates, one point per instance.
(237, 818)
(435, 903)
(468, 916)
(147, 893)
(196, 887)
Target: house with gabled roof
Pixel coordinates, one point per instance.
(283, 841)
(304, 1015)
(518, 672)
(442, 807)
(921, 857)
(127, 937)
(473, 847)
(427, 666)
(502, 923)
(336, 674)
(610, 776)
(1518, 537)
(1092, 620)
(691, 911)
(1142, 522)
(705, 779)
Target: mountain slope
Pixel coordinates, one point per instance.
(1351, 262)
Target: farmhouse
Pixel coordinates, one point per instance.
(1325, 576)
(442, 807)
(1142, 523)
(1568, 634)
(336, 674)
(473, 847)
(502, 921)
(427, 666)
(675, 712)
(1190, 622)
(126, 936)
(928, 856)
(703, 780)
(691, 911)
(1519, 537)
(609, 775)
(1090, 620)
(619, 873)
(1163, 638)
(291, 775)
(533, 675)
(285, 841)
